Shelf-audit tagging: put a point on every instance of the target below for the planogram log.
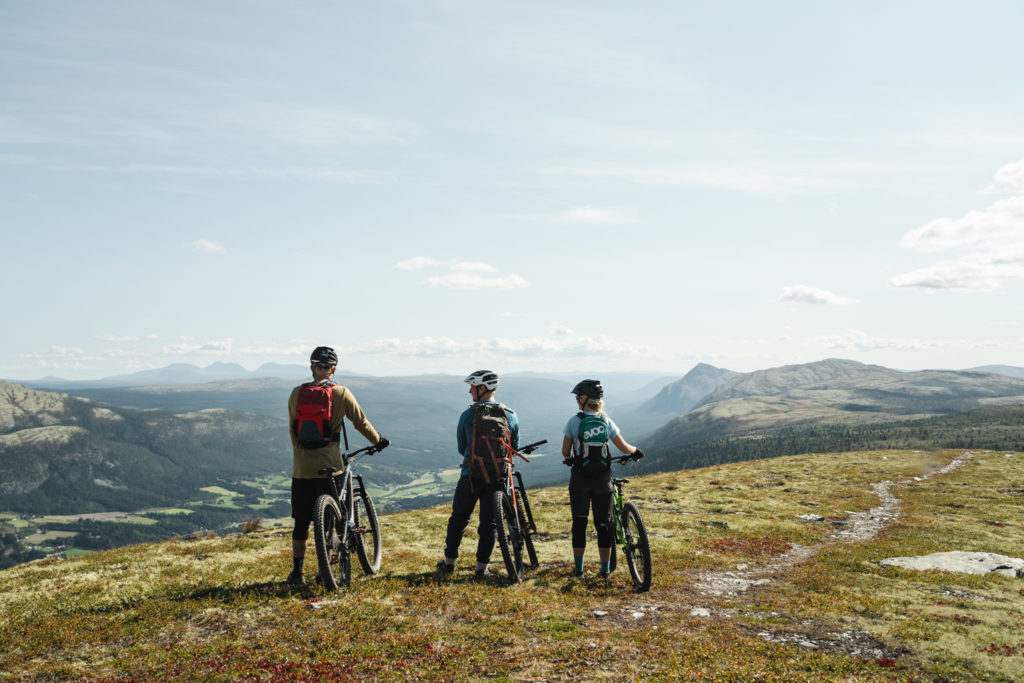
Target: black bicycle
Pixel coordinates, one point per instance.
(630, 534)
(345, 522)
(514, 519)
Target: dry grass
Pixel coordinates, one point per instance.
(215, 608)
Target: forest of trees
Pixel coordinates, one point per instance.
(994, 428)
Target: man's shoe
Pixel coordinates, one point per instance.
(295, 579)
(444, 567)
(603, 575)
(482, 573)
(577, 573)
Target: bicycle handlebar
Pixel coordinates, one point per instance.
(530, 448)
(621, 459)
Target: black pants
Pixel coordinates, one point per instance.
(304, 495)
(586, 493)
(467, 492)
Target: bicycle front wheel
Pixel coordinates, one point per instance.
(330, 533)
(367, 533)
(636, 548)
(510, 538)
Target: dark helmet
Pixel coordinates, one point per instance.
(591, 388)
(324, 354)
(484, 378)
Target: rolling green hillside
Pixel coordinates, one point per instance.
(745, 588)
(832, 392)
(996, 428)
(64, 454)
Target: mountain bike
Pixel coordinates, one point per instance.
(345, 522)
(631, 534)
(514, 519)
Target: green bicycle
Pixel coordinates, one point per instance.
(630, 534)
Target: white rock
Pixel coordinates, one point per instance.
(600, 613)
(812, 518)
(961, 562)
(700, 612)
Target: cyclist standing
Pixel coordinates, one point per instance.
(486, 432)
(317, 410)
(585, 447)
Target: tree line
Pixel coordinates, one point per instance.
(992, 428)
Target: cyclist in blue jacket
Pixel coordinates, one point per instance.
(473, 487)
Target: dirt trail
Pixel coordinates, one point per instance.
(723, 594)
(859, 526)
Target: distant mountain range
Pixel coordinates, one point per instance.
(176, 373)
(114, 446)
(838, 392)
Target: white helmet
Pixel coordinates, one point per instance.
(484, 378)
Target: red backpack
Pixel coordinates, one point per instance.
(311, 423)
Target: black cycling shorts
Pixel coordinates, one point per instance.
(304, 495)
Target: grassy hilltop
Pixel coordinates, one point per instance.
(744, 589)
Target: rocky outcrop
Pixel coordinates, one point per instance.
(961, 562)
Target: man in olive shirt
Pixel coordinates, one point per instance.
(307, 483)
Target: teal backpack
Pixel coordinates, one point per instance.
(592, 456)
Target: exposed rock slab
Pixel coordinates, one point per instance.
(961, 562)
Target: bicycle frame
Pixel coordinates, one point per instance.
(618, 505)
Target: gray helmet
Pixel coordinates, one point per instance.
(484, 378)
(324, 354)
(591, 388)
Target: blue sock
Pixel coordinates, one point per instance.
(578, 560)
(604, 567)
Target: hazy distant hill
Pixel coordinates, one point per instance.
(1008, 370)
(833, 392)
(176, 374)
(59, 453)
(418, 414)
(681, 396)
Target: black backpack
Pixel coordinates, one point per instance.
(490, 445)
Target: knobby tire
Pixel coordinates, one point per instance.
(637, 550)
(367, 537)
(329, 537)
(509, 538)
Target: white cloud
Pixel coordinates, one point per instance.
(207, 247)
(811, 295)
(214, 347)
(463, 274)
(559, 330)
(858, 341)
(586, 214)
(418, 263)
(1012, 176)
(999, 225)
(462, 280)
(991, 242)
(562, 346)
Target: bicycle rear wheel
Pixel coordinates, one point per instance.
(636, 548)
(330, 532)
(524, 525)
(367, 533)
(510, 539)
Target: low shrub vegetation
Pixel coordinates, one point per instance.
(817, 607)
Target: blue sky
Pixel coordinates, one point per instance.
(432, 186)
